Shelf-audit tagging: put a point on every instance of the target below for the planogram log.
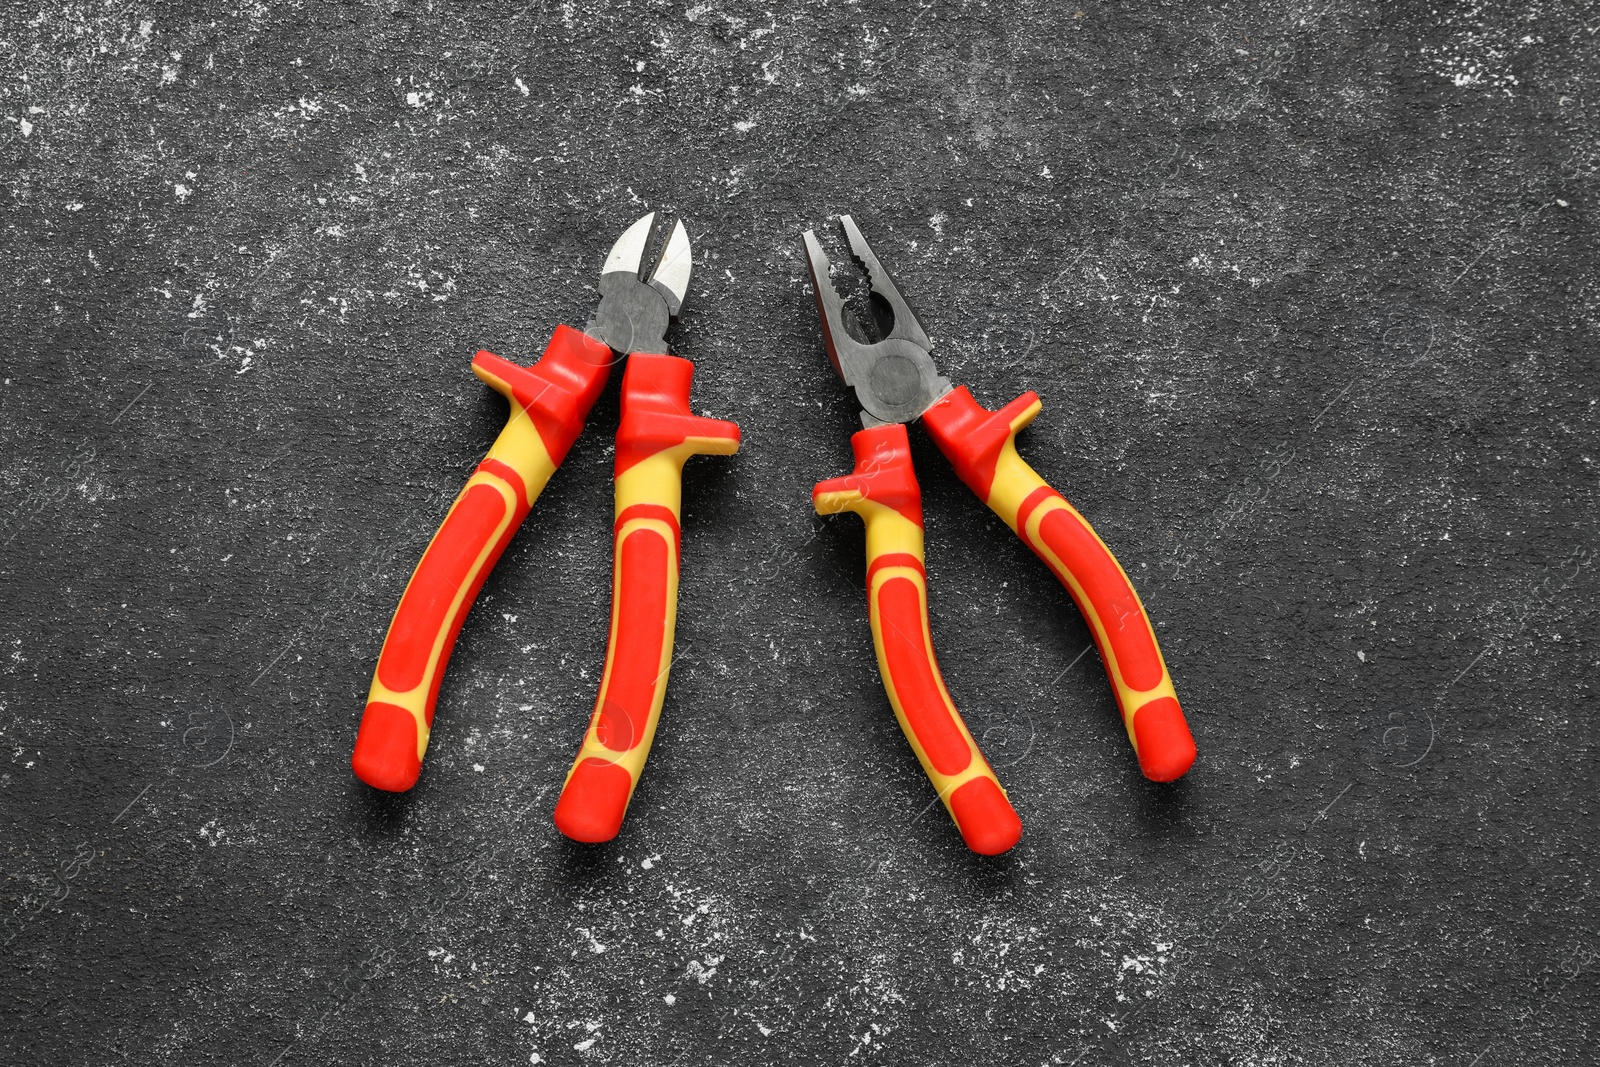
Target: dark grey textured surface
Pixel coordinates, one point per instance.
(1309, 292)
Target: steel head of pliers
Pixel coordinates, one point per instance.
(640, 295)
(893, 374)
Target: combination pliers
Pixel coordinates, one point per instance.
(639, 298)
(885, 357)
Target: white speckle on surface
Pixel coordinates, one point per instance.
(1362, 656)
(523, 89)
(703, 972)
(25, 126)
(744, 125)
(182, 192)
(1477, 54)
(670, 999)
(586, 1044)
(530, 1018)
(478, 767)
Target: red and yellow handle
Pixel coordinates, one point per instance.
(549, 402)
(981, 444)
(883, 490)
(656, 436)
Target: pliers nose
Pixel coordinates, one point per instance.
(893, 374)
(640, 296)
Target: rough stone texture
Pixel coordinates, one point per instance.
(1309, 291)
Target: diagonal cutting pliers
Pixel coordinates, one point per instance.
(896, 381)
(639, 298)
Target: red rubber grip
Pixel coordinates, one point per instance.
(554, 396)
(656, 435)
(883, 490)
(595, 797)
(980, 444)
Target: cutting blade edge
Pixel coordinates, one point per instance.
(627, 255)
(671, 276)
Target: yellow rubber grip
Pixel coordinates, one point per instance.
(883, 490)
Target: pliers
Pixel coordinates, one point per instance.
(550, 400)
(890, 367)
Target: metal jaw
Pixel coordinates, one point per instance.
(639, 299)
(894, 377)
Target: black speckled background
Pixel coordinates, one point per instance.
(1309, 291)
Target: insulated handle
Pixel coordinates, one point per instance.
(981, 444)
(549, 402)
(883, 490)
(654, 439)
